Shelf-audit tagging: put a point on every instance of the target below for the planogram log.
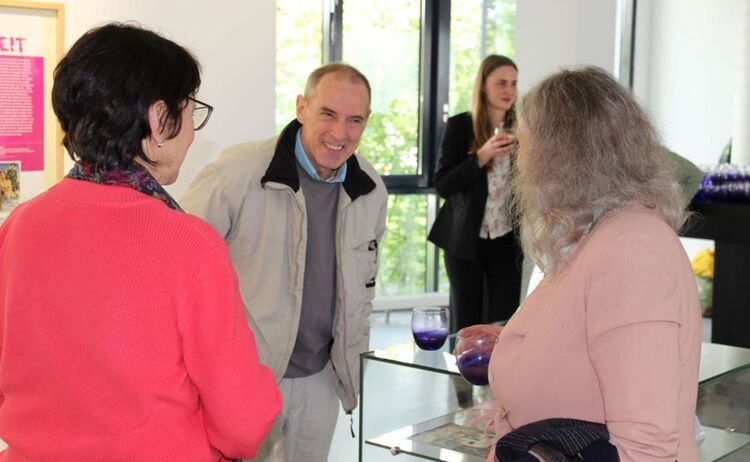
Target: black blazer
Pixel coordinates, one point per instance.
(463, 184)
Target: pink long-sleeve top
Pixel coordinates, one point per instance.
(614, 337)
(122, 334)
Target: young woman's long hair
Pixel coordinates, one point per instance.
(483, 129)
(588, 150)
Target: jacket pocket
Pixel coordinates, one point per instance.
(372, 248)
(366, 257)
(359, 276)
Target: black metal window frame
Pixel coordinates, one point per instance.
(433, 75)
(434, 69)
(434, 87)
(627, 42)
(434, 78)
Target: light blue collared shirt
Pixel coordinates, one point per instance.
(299, 151)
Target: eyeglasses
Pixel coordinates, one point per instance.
(201, 113)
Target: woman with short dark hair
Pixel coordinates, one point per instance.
(122, 333)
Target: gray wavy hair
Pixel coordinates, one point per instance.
(586, 150)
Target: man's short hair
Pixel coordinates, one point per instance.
(342, 70)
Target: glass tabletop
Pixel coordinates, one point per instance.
(454, 438)
(723, 408)
(719, 360)
(410, 355)
(716, 360)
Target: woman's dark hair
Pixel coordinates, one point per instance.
(105, 84)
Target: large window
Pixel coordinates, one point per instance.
(381, 39)
(478, 28)
(420, 57)
(402, 264)
(299, 38)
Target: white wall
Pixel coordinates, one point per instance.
(235, 42)
(555, 34)
(685, 56)
(669, 63)
(685, 60)
(642, 52)
(741, 96)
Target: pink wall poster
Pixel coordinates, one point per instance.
(22, 111)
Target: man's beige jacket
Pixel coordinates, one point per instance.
(252, 197)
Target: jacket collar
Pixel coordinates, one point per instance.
(283, 167)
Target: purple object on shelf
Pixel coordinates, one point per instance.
(429, 325)
(725, 184)
(431, 339)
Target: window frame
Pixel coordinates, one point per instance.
(433, 109)
(434, 91)
(625, 66)
(433, 88)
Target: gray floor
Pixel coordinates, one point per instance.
(396, 330)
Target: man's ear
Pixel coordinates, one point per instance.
(301, 105)
(157, 113)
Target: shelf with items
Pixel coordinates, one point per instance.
(455, 437)
(402, 385)
(414, 404)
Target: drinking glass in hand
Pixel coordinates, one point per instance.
(473, 356)
(429, 325)
(502, 130)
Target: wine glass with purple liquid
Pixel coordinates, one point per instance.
(473, 356)
(429, 325)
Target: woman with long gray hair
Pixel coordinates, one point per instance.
(612, 333)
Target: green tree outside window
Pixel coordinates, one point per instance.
(383, 40)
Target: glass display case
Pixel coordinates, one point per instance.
(414, 404)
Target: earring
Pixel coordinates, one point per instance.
(160, 143)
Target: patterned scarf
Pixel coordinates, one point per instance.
(133, 176)
(557, 440)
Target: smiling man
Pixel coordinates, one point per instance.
(303, 216)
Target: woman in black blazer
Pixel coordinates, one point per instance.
(482, 255)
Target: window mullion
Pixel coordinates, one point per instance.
(332, 30)
(435, 53)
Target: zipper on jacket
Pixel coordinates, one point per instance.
(342, 308)
(298, 302)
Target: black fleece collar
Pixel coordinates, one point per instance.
(283, 167)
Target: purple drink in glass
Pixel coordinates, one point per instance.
(431, 339)
(473, 354)
(473, 366)
(429, 325)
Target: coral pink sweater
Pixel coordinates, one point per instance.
(613, 338)
(122, 334)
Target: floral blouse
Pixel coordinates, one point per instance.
(497, 221)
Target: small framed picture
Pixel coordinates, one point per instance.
(10, 184)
